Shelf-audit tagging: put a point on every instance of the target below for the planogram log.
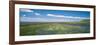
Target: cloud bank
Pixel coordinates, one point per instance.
(62, 16)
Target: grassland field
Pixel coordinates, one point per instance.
(48, 28)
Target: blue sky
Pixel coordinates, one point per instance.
(44, 15)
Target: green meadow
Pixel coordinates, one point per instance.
(48, 28)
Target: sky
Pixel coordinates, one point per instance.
(46, 15)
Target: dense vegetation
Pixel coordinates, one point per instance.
(47, 28)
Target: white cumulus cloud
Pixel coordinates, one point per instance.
(37, 13)
(55, 15)
(24, 15)
(26, 10)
